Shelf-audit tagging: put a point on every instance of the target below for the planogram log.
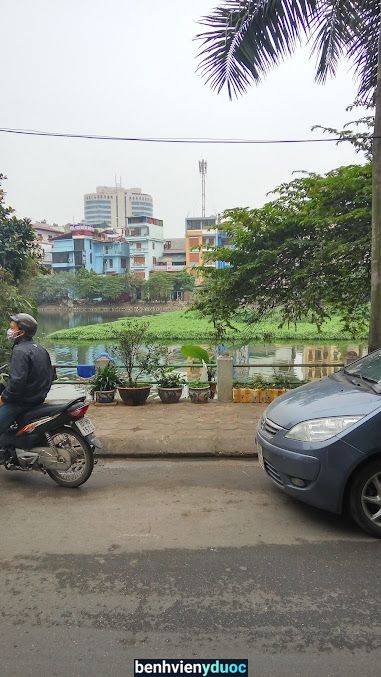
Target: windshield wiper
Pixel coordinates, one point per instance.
(365, 379)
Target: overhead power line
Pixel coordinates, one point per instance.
(100, 137)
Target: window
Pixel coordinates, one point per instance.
(106, 249)
(139, 260)
(153, 245)
(123, 262)
(138, 245)
(78, 259)
(194, 258)
(154, 260)
(78, 245)
(60, 257)
(111, 263)
(91, 259)
(194, 242)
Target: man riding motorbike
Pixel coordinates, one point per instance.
(30, 376)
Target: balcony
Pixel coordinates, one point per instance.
(166, 268)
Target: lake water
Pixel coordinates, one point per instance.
(295, 353)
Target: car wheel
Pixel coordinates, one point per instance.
(365, 498)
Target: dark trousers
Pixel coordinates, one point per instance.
(8, 412)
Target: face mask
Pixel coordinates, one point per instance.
(12, 335)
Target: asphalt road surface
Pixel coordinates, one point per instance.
(185, 559)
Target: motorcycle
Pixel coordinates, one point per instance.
(54, 438)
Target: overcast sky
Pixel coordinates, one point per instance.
(122, 67)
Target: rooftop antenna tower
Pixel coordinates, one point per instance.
(202, 165)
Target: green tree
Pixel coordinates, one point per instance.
(18, 243)
(54, 288)
(86, 284)
(246, 38)
(306, 253)
(111, 287)
(133, 286)
(19, 258)
(158, 287)
(183, 281)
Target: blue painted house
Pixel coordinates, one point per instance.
(83, 247)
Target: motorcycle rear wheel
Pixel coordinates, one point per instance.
(82, 467)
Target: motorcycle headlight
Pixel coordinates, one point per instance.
(320, 429)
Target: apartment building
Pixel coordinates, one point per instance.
(202, 233)
(45, 234)
(173, 258)
(111, 206)
(144, 235)
(84, 247)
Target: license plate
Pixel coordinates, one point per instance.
(260, 456)
(85, 426)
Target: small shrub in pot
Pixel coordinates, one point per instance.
(104, 383)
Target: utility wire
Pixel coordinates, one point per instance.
(99, 137)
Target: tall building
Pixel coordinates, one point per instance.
(144, 235)
(202, 233)
(112, 206)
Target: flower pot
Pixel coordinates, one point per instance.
(267, 395)
(212, 389)
(104, 396)
(199, 395)
(134, 396)
(169, 395)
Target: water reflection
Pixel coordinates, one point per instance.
(251, 356)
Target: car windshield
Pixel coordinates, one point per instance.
(369, 367)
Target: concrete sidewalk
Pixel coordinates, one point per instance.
(182, 429)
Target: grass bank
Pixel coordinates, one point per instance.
(182, 326)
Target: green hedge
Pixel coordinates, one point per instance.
(186, 326)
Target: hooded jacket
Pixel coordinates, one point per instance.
(31, 374)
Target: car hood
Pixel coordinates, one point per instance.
(319, 399)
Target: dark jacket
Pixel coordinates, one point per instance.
(30, 376)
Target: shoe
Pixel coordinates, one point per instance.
(6, 456)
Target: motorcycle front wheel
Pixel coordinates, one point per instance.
(83, 460)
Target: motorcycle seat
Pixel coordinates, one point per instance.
(48, 408)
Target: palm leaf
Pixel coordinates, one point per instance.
(196, 352)
(331, 29)
(246, 38)
(364, 48)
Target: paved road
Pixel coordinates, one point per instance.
(181, 559)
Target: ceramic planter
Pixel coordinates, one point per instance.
(104, 396)
(169, 395)
(199, 395)
(256, 395)
(134, 396)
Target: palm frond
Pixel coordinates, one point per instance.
(246, 38)
(363, 50)
(331, 30)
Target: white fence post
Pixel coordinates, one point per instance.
(225, 378)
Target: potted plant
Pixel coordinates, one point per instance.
(198, 353)
(170, 386)
(104, 383)
(140, 356)
(199, 391)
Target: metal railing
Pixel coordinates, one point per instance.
(188, 365)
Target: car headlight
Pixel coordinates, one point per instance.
(321, 428)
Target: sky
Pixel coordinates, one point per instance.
(127, 68)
